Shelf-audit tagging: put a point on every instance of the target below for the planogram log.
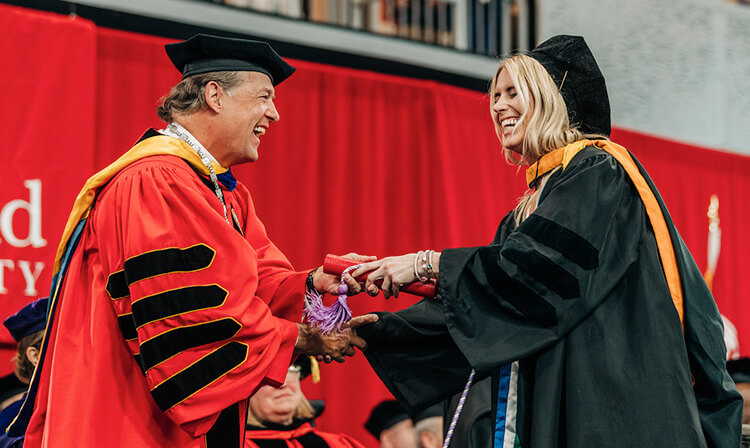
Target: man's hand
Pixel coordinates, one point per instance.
(335, 346)
(330, 283)
(358, 321)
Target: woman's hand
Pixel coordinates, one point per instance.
(330, 283)
(393, 271)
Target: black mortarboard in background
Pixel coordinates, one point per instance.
(739, 370)
(305, 365)
(204, 53)
(573, 68)
(383, 416)
(29, 319)
(432, 411)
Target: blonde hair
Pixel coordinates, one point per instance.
(304, 411)
(545, 114)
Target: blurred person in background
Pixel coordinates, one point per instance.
(739, 370)
(27, 329)
(428, 427)
(391, 425)
(11, 390)
(284, 416)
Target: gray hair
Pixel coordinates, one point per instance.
(433, 425)
(189, 95)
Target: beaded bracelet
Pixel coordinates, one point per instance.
(416, 269)
(430, 271)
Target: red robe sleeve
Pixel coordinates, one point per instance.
(185, 286)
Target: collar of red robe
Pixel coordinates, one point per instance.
(269, 426)
(227, 178)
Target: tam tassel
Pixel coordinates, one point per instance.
(328, 318)
(314, 370)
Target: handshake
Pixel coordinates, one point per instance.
(335, 345)
(372, 275)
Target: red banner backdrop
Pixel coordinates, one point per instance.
(48, 128)
(359, 162)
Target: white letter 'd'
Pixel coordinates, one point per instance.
(34, 207)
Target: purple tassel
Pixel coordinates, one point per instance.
(328, 318)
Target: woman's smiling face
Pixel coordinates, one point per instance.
(507, 110)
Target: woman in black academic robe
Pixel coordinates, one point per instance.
(586, 310)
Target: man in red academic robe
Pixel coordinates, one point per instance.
(170, 306)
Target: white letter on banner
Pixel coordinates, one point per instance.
(29, 276)
(34, 207)
(4, 264)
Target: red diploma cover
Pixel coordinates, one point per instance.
(335, 265)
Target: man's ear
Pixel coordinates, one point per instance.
(214, 96)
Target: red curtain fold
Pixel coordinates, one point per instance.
(360, 161)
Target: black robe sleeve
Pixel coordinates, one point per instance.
(413, 354)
